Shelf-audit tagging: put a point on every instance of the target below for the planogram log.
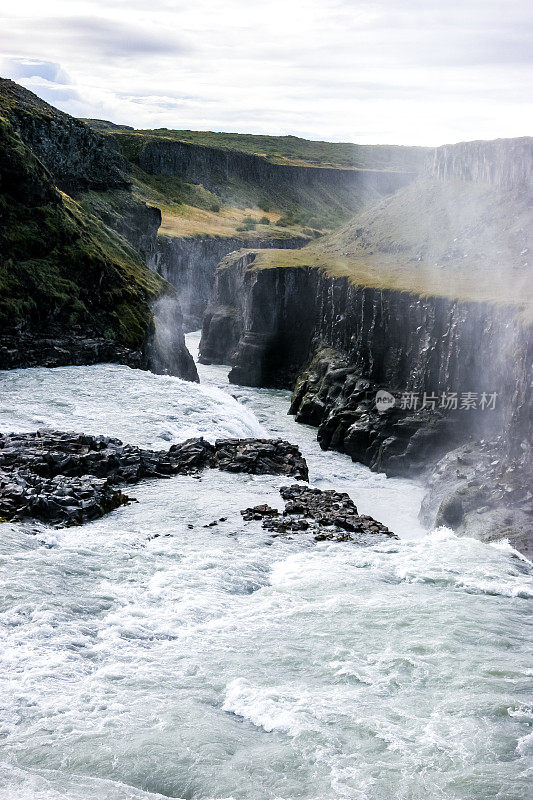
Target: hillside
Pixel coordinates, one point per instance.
(295, 151)
(470, 240)
(64, 274)
(221, 186)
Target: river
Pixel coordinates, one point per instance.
(146, 656)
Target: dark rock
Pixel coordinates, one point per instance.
(259, 512)
(190, 263)
(337, 344)
(260, 457)
(69, 478)
(329, 515)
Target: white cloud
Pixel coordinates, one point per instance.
(406, 71)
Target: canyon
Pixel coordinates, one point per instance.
(331, 281)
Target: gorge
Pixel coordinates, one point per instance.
(227, 632)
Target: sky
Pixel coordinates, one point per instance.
(369, 71)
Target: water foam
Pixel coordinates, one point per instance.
(224, 663)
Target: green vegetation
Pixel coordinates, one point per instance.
(464, 241)
(303, 152)
(290, 201)
(60, 267)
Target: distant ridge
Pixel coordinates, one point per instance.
(105, 125)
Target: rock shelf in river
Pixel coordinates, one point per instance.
(329, 515)
(66, 478)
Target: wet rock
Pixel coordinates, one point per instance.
(260, 457)
(329, 515)
(67, 478)
(477, 493)
(259, 512)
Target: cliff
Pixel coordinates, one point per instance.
(295, 151)
(189, 264)
(210, 166)
(72, 290)
(351, 314)
(507, 163)
(315, 196)
(78, 157)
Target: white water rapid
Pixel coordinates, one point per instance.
(141, 658)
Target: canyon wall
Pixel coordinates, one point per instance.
(189, 264)
(337, 345)
(211, 167)
(507, 163)
(76, 288)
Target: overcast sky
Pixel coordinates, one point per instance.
(389, 71)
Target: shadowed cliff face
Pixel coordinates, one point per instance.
(392, 339)
(210, 165)
(190, 264)
(78, 157)
(337, 345)
(75, 287)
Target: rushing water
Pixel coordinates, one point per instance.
(142, 658)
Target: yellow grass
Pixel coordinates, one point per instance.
(186, 220)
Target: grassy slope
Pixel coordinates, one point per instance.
(59, 266)
(192, 210)
(237, 208)
(458, 240)
(304, 152)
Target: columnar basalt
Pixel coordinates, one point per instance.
(336, 345)
(189, 264)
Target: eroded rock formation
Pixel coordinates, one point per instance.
(70, 478)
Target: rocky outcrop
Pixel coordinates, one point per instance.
(210, 166)
(260, 321)
(23, 349)
(75, 285)
(328, 515)
(190, 264)
(337, 345)
(77, 156)
(507, 163)
(278, 319)
(166, 351)
(475, 491)
(135, 221)
(69, 478)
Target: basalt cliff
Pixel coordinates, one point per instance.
(110, 236)
(426, 296)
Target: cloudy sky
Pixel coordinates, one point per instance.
(390, 71)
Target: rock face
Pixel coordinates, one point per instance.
(69, 478)
(75, 285)
(190, 264)
(23, 349)
(504, 162)
(328, 515)
(261, 322)
(210, 166)
(337, 345)
(476, 492)
(78, 156)
(166, 351)
(133, 220)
